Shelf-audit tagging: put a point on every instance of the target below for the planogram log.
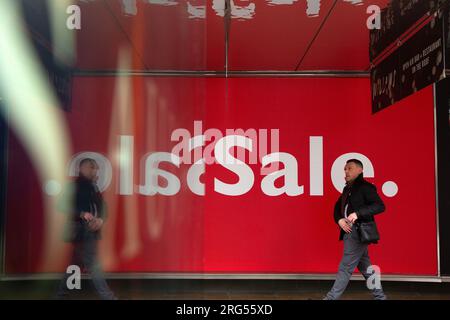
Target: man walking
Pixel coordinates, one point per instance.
(85, 224)
(358, 204)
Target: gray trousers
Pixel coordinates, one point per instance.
(356, 254)
(85, 254)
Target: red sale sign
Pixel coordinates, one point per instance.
(238, 175)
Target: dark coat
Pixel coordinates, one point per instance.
(86, 198)
(363, 199)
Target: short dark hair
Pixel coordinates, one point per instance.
(357, 162)
(86, 160)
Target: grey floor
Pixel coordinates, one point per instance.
(226, 289)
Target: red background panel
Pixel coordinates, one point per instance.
(258, 233)
(251, 233)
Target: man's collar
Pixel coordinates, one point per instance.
(354, 181)
(83, 178)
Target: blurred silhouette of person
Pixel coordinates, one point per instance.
(83, 229)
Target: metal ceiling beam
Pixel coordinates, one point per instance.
(315, 35)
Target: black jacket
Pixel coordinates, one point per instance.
(363, 199)
(87, 198)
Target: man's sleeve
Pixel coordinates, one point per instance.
(337, 210)
(374, 204)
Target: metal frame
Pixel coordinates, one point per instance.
(224, 74)
(227, 276)
(3, 188)
(436, 180)
(265, 276)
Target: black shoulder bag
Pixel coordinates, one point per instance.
(368, 232)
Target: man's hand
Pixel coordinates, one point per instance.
(95, 224)
(99, 223)
(352, 217)
(345, 225)
(87, 216)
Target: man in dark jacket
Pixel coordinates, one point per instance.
(84, 227)
(358, 203)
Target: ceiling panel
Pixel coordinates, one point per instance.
(275, 37)
(264, 35)
(343, 42)
(100, 39)
(163, 35)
